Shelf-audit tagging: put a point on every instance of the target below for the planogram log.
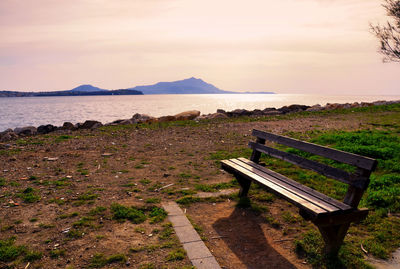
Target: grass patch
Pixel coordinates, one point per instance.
(99, 210)
(32, 255)
(176, 255)
(9, 252)
(56, 253)
(28, 195)
(188, 199)
(132, 214)
(100, 260)
(62, 138)
(88, 196)
(157, 214)
(153, 200)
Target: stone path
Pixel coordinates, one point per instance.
(195, 248)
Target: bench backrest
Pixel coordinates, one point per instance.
(358, 180)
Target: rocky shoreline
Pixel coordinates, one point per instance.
(11, 134)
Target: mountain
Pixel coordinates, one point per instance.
(186, 86)
(87, 88)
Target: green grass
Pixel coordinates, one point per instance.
(32, 255)
(88, 196)
(10, 252)
(176, 255)
(188, 199)
(56, 253)
(62, 138)
(100, 260)
(132, 214)
(29, 195)
(99, 210)
(153, 200)
(157, 214)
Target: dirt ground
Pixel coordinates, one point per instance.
(128, 166)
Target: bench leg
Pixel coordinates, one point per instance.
(333, 237)
(244, 185)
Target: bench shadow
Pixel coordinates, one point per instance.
(242, 233)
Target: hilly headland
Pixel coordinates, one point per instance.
(185, 86)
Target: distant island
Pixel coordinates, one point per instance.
(186, 86)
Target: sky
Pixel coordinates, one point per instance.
(285, 46)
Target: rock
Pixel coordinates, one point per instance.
(142, 118)
(126, 122)
(333, 106)
(187, 115)
(354, 105)
(316, 107)
(121, 122)
(379, 103)
(115, 122)
(257, 112)
(268, 109)
(45, 129)
(202, 117)
(221, 111)
(166, 118)
(238, 113)
(217, 116)
(90, 124)
(26, 131)
(272, 113)
(50, 159)
(364, 104)
(293, 108)
(7, 135)
(68, 126)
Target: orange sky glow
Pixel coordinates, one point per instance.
(286, 46)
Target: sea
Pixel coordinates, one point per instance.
(35, 111)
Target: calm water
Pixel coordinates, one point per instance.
(35, 111)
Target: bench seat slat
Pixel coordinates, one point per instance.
(282, 192)
(304, 188)
(294, 189)
(334, 154)
(321, 168)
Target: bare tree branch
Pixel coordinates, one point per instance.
(389, 35)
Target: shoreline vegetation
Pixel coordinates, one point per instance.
(89, 195)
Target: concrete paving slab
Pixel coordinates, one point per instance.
(187, 234)
(179, 220)
(206, 263)
(172, 209)
(197, 250)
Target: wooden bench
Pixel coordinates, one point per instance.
(332, 217)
